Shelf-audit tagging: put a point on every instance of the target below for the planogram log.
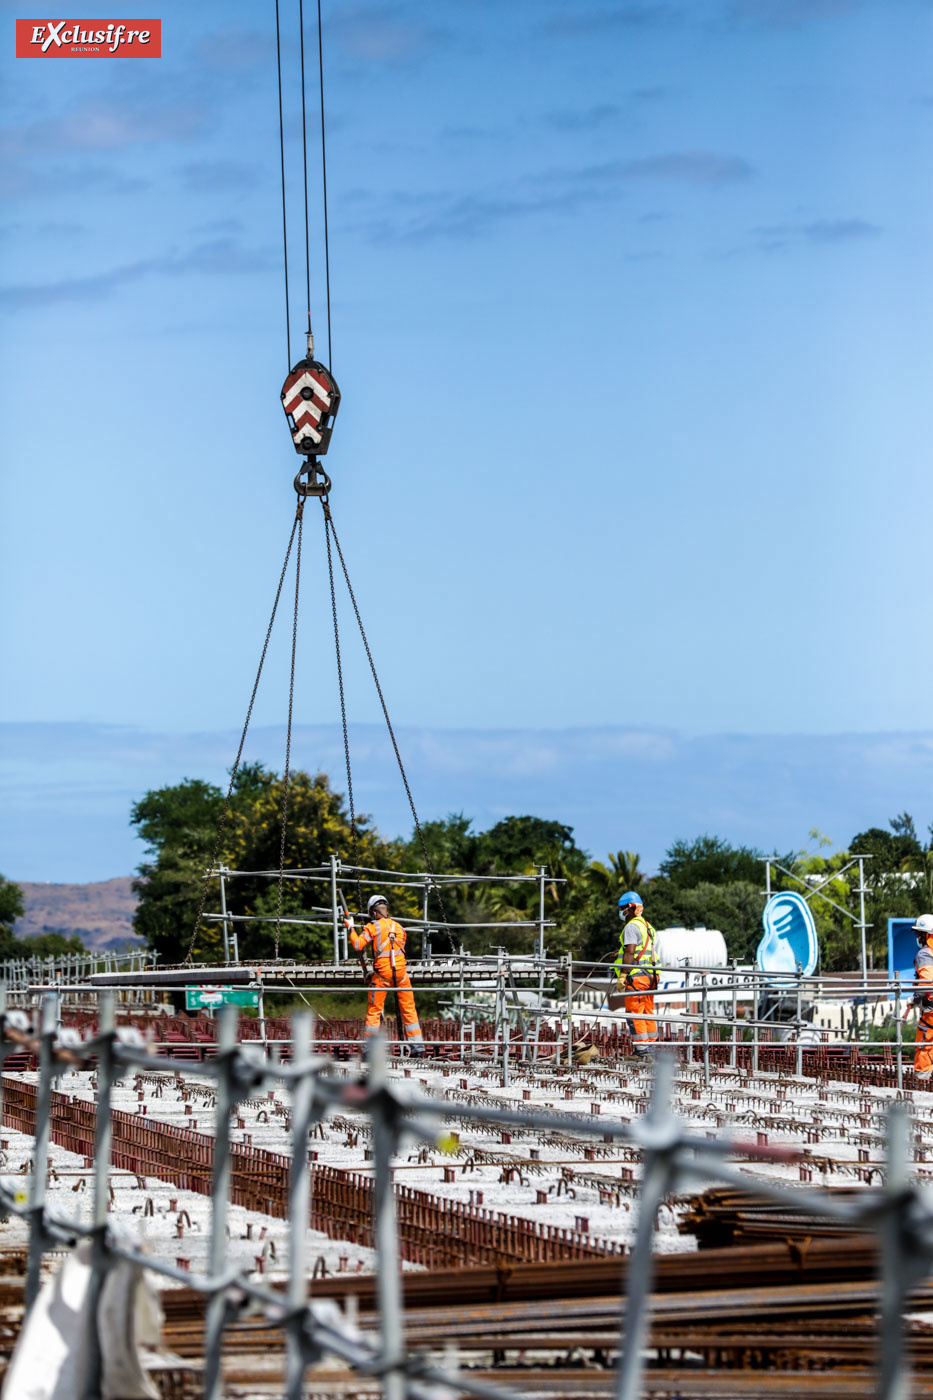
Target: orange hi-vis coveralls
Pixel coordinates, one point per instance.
(387, 940)
(640, 982)
(923, 1054)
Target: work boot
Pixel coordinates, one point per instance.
(416, 1052)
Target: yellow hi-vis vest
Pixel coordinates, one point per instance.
(642, 953)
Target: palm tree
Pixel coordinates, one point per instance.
(922, 865)
(622, 873)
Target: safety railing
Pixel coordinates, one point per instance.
(899, 1213)
(69, 968)
(511, 1007)
(360, 878)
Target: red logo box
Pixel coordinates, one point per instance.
(88, 38)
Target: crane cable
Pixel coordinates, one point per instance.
(288, 735)
(330, 533)
(278, 55)
(320, 59)
(239, 755)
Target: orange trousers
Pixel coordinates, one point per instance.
(923, 1054)
(385, 979)
(639, 1008)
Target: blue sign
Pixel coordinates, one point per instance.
(902, 947)
(790, 935)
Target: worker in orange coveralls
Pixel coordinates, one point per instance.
(636, 968)
(387, 940)
(923, 997)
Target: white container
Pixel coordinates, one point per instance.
(690, 947)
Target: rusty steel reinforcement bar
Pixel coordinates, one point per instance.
(899, 1213)
(433, 1231)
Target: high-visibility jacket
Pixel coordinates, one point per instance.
(387, 940)
(923, 997)
(641, 954)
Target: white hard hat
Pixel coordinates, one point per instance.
(375, 899)
(924, 924)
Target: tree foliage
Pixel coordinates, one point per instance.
(711, 860)
(704, 882)
(41, 945)
(179, 825)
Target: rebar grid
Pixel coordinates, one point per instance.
(898, 1212)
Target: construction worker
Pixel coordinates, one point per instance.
(636, 971)
(387, 940)
(923, 997)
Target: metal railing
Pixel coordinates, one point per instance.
(899, 1213)
(67, 968)
(338, 871)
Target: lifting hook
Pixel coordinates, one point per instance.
(312, 487)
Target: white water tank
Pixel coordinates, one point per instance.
(690, 947)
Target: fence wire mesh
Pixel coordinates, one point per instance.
(899, 1212)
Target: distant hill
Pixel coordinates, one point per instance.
(101, 914)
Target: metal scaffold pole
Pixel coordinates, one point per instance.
(335, 912)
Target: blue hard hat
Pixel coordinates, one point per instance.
(630, 897)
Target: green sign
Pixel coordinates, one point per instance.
(206, 998)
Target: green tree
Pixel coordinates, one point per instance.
(49, 944)
(711, 860)
(515, 842)
(11, 909)
(179, 825)
(515, 845)
(898, 880)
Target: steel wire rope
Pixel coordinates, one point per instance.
(278, 55)
(329, 524)
(299, 515)
(236, 763)
(320, 56)
(304, 157)
(354, 848)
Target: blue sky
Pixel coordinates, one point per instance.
(631, 308)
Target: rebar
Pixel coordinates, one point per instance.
(898, 1213)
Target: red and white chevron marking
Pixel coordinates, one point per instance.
(306, 411)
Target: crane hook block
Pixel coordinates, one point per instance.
(310, 398)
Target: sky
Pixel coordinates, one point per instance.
(630, 315)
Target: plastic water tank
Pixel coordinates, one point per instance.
(690, 947)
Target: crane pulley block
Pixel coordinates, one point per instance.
(310, 398)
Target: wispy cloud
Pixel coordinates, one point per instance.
(65, 799)
(683, 167)
(383, 35)
(217, 227)
(216, 257)
(777, 237)
(597, 19)
(19, 181)
(108, 122)
(558, 191)
(217, 176)
(584, 118)
(840, 230)
(786, 14)
(236, 50)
